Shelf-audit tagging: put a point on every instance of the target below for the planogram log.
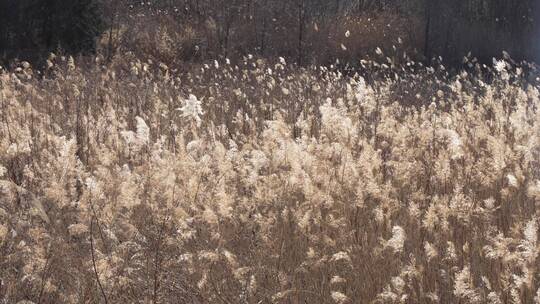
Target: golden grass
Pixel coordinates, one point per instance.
(297, 185)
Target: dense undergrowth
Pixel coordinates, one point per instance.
(268, 183)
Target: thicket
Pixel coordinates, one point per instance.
(304, 31)
(312, 31)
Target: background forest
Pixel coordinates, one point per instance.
(306, 31)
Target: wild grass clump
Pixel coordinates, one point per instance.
(263, 182)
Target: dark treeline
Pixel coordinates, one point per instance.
(307, 31)
(483, 27)
(32, 28)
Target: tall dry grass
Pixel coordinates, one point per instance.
(268, 183)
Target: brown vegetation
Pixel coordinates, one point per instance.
(268, 183)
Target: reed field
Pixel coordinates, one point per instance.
(259, 181)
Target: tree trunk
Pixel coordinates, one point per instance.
(301, 16)
(427, 30)
(536, 30)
